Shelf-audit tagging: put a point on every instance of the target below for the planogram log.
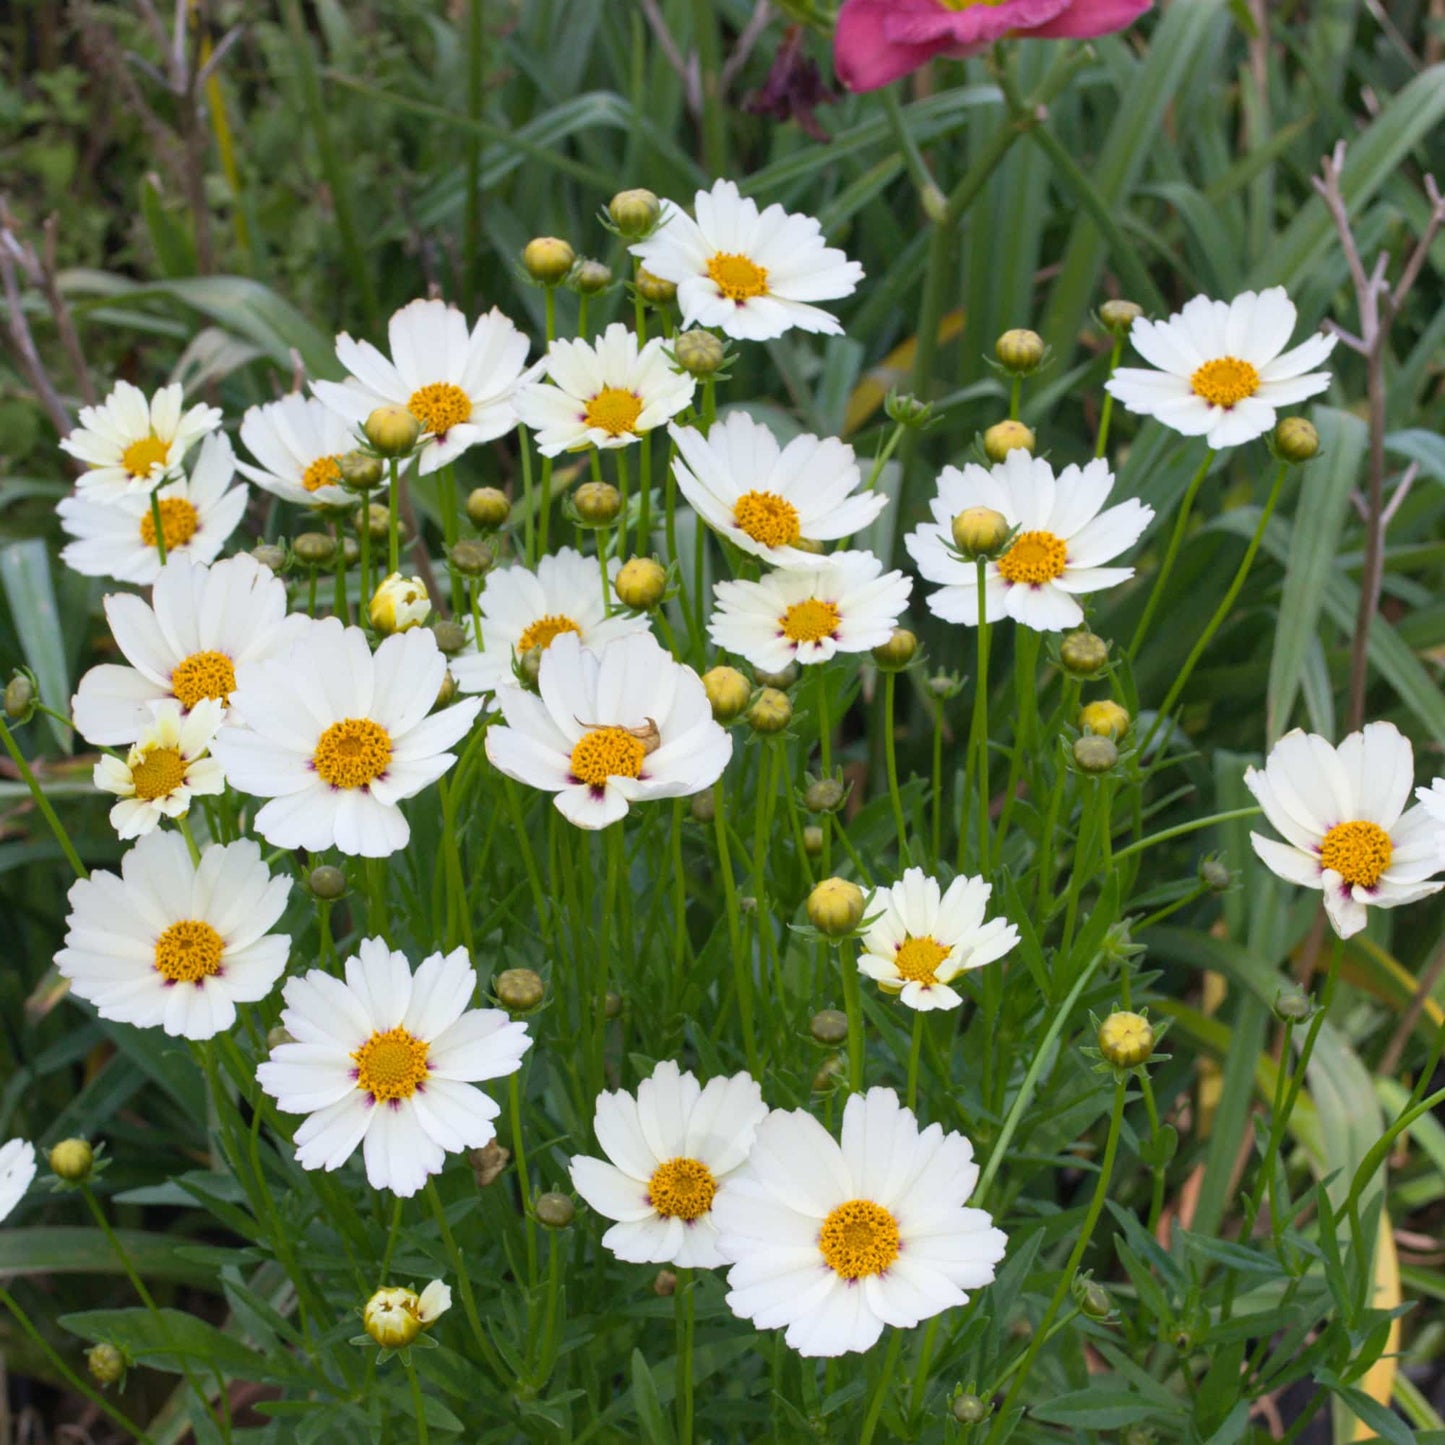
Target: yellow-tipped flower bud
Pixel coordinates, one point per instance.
(634, 213)
(471, 557)
(447, 692)
(813, 840)
(771, 711)
(105, 1363)
(1095, 754)
(728, 692)
(1020, 351)
(326, 883)
(1104, 718)
(835, 907)
(71, 1160)
(597, 503)
(640, 583)
(1296, 439)
(392, 430)
(699, 352)
(1083, 653)
(360, 471)
(895, 654)
(1004, 437)
(654, 288)
(1126, 1039)
(590, 277)
(488, 508)
(315, 549)
(399, 604)
(1119, 316)
(519, 990)
(554, 1210)
(395, 1317)
(548, 259)
(980, 531)
(829, 1026)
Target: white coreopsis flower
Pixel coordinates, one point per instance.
(1063, 536)
(606, 393)
(388, 1059)
(671, 1148)
(394, 1317)
(175, 944)
(1343, 815)
(165, 768)
(846, 603)
(201, 623)
(17, 1169)
(755, 275)
(921, 938)
(129, 444)
(457, 383)
(767, 498)
(299, 442)
(608, 729)
(835, 1240)
(1432, 800)
(337, 737)
(1222, 367)
(521, 609)
(118, 538)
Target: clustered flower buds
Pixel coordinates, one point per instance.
(727, 691)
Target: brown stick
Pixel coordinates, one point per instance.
(21, 341)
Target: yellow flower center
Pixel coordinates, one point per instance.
(737, 277)
(1225, 381)
(810, 621)
(614, 410)
(189, 951)
(158, 773)
(139, 457)
(1035, 557)
(179, 520)
(682, 1189)
(545, 631)
(352, 753)
(767, 518)
(859, 1238)
(391, 1065)
(323, 472)
(1358, 852)
(917, 959)
(203, 674)
(604, 753)
(439, 406)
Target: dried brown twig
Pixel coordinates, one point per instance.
(16, 256)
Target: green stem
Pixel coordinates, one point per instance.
(684, 1307)
(976, 754)
(880, 1394)
(1181, 521)
(644, 484)
(418, 1408)
(524, 1182)
(742, 961)
(157, 524)
(391, 1235)
(853, 1006)
(41, 801)
(891, 755)
(1101, 442)
(464, 1284)
(1179, 830)
(393, 523)
(915, 1049)
(705, 22)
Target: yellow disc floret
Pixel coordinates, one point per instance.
(203, 674)
(179, 520)
(1225, 381)
(352, 753)
(323, 472)
(545, 631)
(391, 1065)
(737, 277)
(682, 1189)
(439, 406)
(810, 621)
(189, 951)
(156, 772)
(1034, 558)
(1358, 852)
(859, 1239)
(140, 457)
(614, 410)
(767, 518)
(917, 959)
(610, 752)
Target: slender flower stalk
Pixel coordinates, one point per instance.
(1161, 578)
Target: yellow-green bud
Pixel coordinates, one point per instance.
(471, 557)
(450, 637)
(1083, 653)
(664, 1284)
(825, 795)
(835, 906)
(447, 691)
(528, 668)
(1296, 439)
(276, 1036)
(315, 549)
(634, 213)
(597, 503)
(519, 989)
(1293, 1006)
(1104, 718)
(548, 259)
(907, 410)
(487, 1163)
(554, 1210)
(980, 531)
(640, 583)
(399, 604)
(1092, 1298)
(1004, 437)
(703, 806)
(1126, 1039)
(813, 840)
(781, 680)
(969, 1409)
(326, 882)
(590, 277)
(895, 654)
(19, 698)
(488, 508)
(1215, 872)
(1095, 754)
(270, 555)
(1119, 316)
(360, 471)
(611, 1004)
(392, 1318)
(830, 1071)
(829, 1026)
(350, 550)
(699, 352)
(105, 1363)
(378, 521)
(71, 1160)
(770, 712)
(392, 430)
(728, 692)
(1019, 351)
(654, 288)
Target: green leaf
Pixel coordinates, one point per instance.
(649, 1408)
(30, 591)
(1417, 445)
(1095, 1409)
(61, 1249)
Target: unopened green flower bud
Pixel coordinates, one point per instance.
(350, 550)
(450, 636)
(326, 883)
(835, 907)
(548, 259)
(825, 795)
(634, 213)
(447, 692)
(360, 471)
(813, 840)
(488, 508)
(105, 1363)
(1126, 1039)
(770, 712)
(906, 410)
(528, 668)
(728, 692)
(1095, 754)
(703, 806)
(1215, 872)
(611, 1004)
(944, 685)
(1083, 653)
(519, 990)
(829, 1026)
(392, 430)
(377, 521)
(1092, 1298)
(781, 680)
(71, 1160)
(471, 557)
(1293, 1006)
(654, 288)
(699, 352)
(1020, 351)
(590, 277)
(1296, 439)
(895, 654)
(1004, 437)
(640, 583)
(1105, 718)
(270, 555)
(969, 1409)
(20, 698)
(597, 503)
(830, 1072)
(315, 549)
(980, 531)
(1119, 316)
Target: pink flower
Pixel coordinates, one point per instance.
(879, 40)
